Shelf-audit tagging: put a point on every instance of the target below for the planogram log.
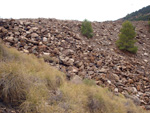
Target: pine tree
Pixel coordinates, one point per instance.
(126, 38)
(149, 25)
(86, 29)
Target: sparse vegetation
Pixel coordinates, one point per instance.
(33, 86)
(149, 25)
(126, 38)
(142, 14)
(86, 29)
(89, 82)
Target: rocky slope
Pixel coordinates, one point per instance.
(62, 45)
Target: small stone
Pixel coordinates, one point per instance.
(4, 30)
(47, 54)
(116, 77)
(25, 51)
(97, 34)
(130, 81)
(26, 47)
(62, 59)
(140, 93)
(28, 32)
(123, 80)
(71, 61)
(90, 72)
(10, 38)
(99, 63)
(56, 51)
(131, 90)
(89, 48)
(44, 39)
(138, 87)
(147, 107)
(77, 37)
(145, 60)
(82, 73)
(40, 43)
(49, 35)
(34, 35)
(34, 52)
(134, 90)
(102, 70)
(145, 54)
(74, 70)
(78, 64)
(135, 99)
(116, 90)
(109, 81)
(34, 28)
(16, 40)
(68, 52)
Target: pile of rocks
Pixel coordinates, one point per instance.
(61, 44)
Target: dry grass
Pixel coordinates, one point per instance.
(94, 99)
(32, 86)
(13, 82)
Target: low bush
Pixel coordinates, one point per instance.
(86, 29)
(149, 25)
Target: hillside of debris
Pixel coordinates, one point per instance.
(29, 85)
(62, 45)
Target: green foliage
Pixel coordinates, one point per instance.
(86, 29)
(142, 14)
(89, 82)
(126, 38)
(149, 25)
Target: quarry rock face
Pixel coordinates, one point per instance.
(62, 45)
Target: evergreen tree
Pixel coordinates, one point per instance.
(86, 29)
(149, 25)
(126, 38)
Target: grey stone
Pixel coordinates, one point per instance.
(116, 77)
(34, 35)
(103, 70)
(71, 61)
(147, 107)
(44, 39)
(135, 99)
(10, 38)
(25, 51)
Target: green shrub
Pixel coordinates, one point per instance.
(126, 38)
(86, 29)
(89, 82)
(149, 25)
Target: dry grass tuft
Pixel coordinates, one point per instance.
(26, 81)
(94, 99)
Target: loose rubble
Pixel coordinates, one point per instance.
(62, 45)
